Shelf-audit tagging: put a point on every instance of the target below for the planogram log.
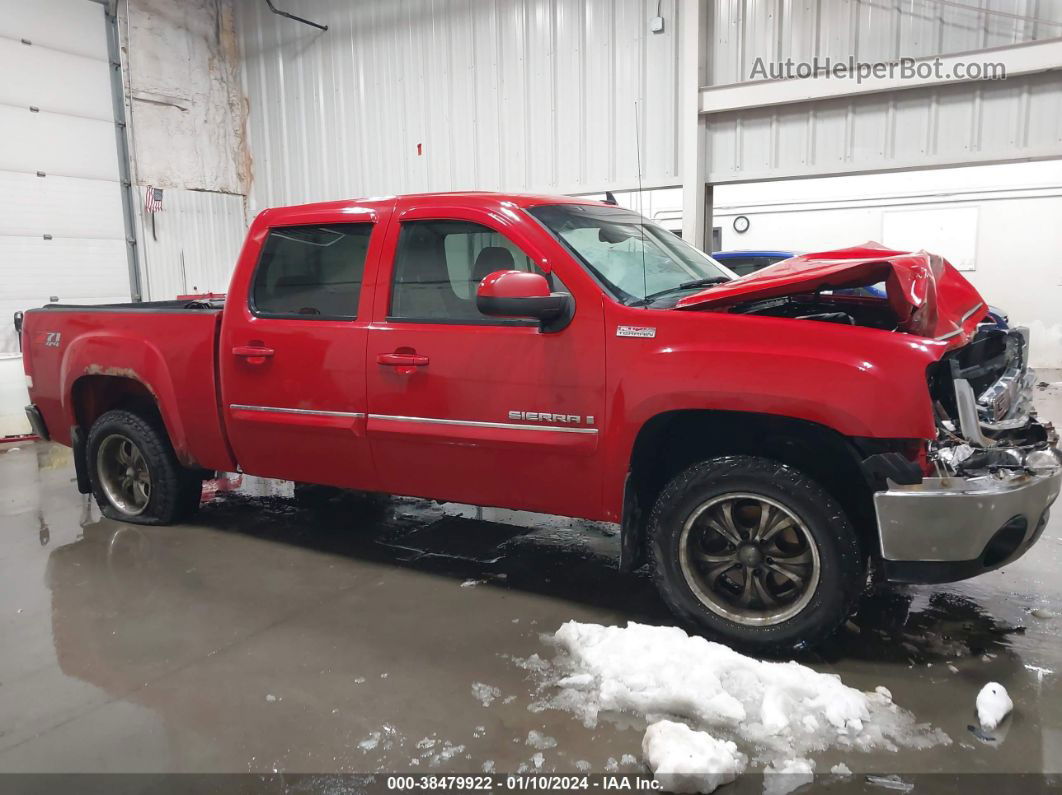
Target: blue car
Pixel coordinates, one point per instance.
(744, 262)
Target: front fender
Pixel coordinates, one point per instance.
(858, 382)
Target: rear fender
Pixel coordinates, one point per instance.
(98, 354)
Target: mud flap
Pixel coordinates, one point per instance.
(77, 442)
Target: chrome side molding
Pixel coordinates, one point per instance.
(282, 410)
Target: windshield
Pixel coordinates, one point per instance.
(640, 263)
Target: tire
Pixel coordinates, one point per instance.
(126, 451)
(786, 593)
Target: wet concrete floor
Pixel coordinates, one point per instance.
(265, 636)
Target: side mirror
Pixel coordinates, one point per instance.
(522, 294)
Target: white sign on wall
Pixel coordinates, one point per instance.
(948, 231)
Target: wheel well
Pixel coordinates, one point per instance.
(94, 395)
(674, 440)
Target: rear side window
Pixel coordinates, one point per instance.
(311, 272)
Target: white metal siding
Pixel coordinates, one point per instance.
(61, 228)
(199, 237)
(1016, 119)
(871, 31)
(503, 94)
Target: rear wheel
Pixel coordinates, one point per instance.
(755, 552)
(134, 472)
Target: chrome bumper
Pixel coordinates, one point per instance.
(946, 529)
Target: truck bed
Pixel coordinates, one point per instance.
(143, 306)
(167, 348)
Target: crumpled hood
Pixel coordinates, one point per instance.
(930, 298)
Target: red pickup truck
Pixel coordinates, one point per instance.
(762, 441)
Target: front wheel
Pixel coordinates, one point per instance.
(134, 472)
(754, 552)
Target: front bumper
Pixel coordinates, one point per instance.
(947, 529)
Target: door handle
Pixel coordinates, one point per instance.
(252, 354)
(402, 359)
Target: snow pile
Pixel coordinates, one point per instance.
(993, 704)
(785, 710)
(683, 760)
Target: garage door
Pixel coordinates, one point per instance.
(62, 232)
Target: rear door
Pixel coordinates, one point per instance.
(292, 351)
(472, 408)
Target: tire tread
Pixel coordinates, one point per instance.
(788, 479)
(175, 491)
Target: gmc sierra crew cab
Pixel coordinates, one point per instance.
(763, 442)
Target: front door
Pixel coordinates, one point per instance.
(471, 408)
(292, 356)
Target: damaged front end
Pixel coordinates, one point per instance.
(994, 468)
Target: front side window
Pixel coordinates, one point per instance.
(640, 263)
(312, 272)
(439, 265)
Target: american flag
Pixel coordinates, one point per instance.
(153, 200)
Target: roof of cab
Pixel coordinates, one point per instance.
(483, 199)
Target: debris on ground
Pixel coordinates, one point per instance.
(784, 710)
(484, 693)
(448, 752)
(891, 782)
(537, 739)
(841, 769)
(993, 704)
(684, 760)
(370, 742)
(1039, 670)
(1043, 613)
(791, 774)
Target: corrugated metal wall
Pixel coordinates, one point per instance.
(199, 235)
(869, 30)
(413, 95)
(969, 122)
(1020, 118)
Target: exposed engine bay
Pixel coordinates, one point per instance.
(846, 309)
(983, 402)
